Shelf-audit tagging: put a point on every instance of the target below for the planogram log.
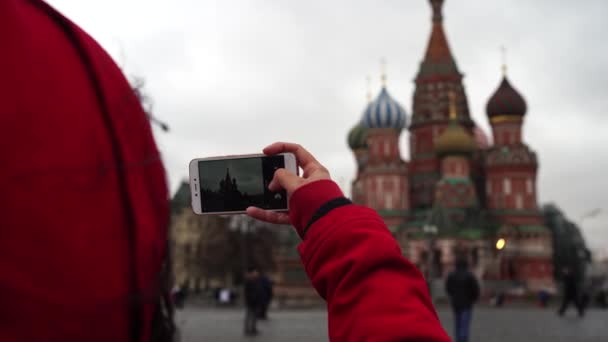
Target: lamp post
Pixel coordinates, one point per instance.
(240, 224)
(430, 231)
(499, 247)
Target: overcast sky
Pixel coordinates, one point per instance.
(231, 76)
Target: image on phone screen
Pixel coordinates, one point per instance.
(229, 185)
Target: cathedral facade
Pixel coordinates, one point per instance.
(458, 195)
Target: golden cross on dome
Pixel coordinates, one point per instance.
(368, 80)
(453, 109)
(383, 71)
(503, 52)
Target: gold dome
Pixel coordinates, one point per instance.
(454, 140)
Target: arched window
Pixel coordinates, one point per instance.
(507, 186)
(519, 201)
(529, 186)
(389, 201)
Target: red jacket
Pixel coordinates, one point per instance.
(373, 293)
(83, 200)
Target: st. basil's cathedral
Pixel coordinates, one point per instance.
(458, 195)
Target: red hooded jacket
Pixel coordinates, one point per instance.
(84, 203)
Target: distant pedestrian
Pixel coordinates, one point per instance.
(543, 298)
(571, 293)
(253, 300)
(463, 290)
(267, 294)
(179, 294)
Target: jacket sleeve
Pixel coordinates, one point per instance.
(373, 293)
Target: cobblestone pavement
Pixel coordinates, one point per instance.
(489, 325)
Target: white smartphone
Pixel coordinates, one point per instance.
(230, 184)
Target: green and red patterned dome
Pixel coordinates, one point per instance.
(506, 101)
(357, 137)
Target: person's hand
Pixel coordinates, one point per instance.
(283, 179)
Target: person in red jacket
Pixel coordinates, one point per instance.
(84, 202)
(373, 293)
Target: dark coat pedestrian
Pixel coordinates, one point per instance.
(254, 294)
(463, 290)
(571, 293)
(267, 295)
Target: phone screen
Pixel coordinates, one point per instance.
(234, 184)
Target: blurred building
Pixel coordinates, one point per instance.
(458, 194)
(210, 252)
(201, 246)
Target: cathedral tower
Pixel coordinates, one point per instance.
(511, 168)
(510, 164)
(437, 77)
(382, 178)
(454, 147)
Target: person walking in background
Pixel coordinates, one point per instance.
(253, 300)
(463, 290)
(179, 294)
(571, 293)
(267, 294)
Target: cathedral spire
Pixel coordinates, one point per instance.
(438, 58)
(437, 7)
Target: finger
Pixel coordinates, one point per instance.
(284, 179)
(318, 169)
(268, 216)
(305, 159)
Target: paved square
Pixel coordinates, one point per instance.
(489, 325)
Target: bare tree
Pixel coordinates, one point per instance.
(138, 84)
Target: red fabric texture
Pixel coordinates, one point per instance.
(373, 293)
(308, 199)
(82, 182)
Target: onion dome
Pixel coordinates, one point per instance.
(357, 137)
(384, 112)
(506, 101)
(455, 139)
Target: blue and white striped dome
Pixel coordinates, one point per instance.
(384, 112)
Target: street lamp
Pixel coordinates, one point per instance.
(241, 224)
(431, 231)
(501, 244)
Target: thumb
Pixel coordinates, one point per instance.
(286, 180)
